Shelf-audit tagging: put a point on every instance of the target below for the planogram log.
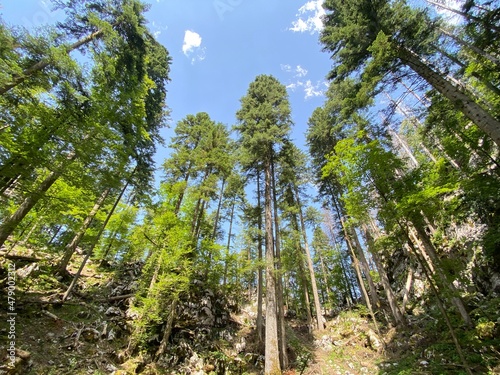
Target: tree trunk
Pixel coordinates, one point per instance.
(317, 305)
(460, 100)
(408, 285)
(58, 229)
(279, 279)
(494, 89)
(217, 214)
(228, 247)
(96, 239)
(71, 247)
(181, 194)
(430, 252)
(10, 224)
(326, 282)
(350, 298)
(168, 328)
(405, 147)
(472, 47)
(441, 307)
(272, 352)
(467, 16)
(260, 276)
(16, 80)
(307, 300)
(366, 268)
(391, 298)
(360, 277)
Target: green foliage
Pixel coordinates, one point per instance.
(264, 118)
(485, 329)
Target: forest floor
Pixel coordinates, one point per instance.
(87, 335)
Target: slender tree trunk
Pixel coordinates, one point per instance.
(217, 214)
(405, 147)
(430, 251)
(228, 247)
(494, 89)
(366, 268)
(350, 298)
(94, 242)
(10, 224)
(32, 229)
(307, 300)
(58, 229)
(8, 183)
(260, 276)
(399, 318)
(272, 357)
(181, 194)
(326, 282)
(416, 124)
(460, 100)
(440, 304)
(71, 247)
(471, 47)
(279, 279)
(16, 80)
(408, 285)
(467, 16)
(317, 305)
(357, 268)
(196, 216)
(168, 328)
(198, 224)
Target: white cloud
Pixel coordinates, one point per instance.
(298, 73)
(192, 41)
(311, 90)
(192, 46)
(301, 72)
(309, 17)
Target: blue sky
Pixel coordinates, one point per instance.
(240, 39)
(219, 46)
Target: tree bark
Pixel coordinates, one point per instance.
(228, 247)
(272, 352)
(350, 297)
(279, 279)
(365, 267)
(217, 214)
(460, 100)
(399, 318)
(429, 251)
(260, 276)
(357, 268)
(317, 305)
(408, 285)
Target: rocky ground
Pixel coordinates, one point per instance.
(89, 333)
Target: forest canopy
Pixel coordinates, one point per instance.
(242, 250)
